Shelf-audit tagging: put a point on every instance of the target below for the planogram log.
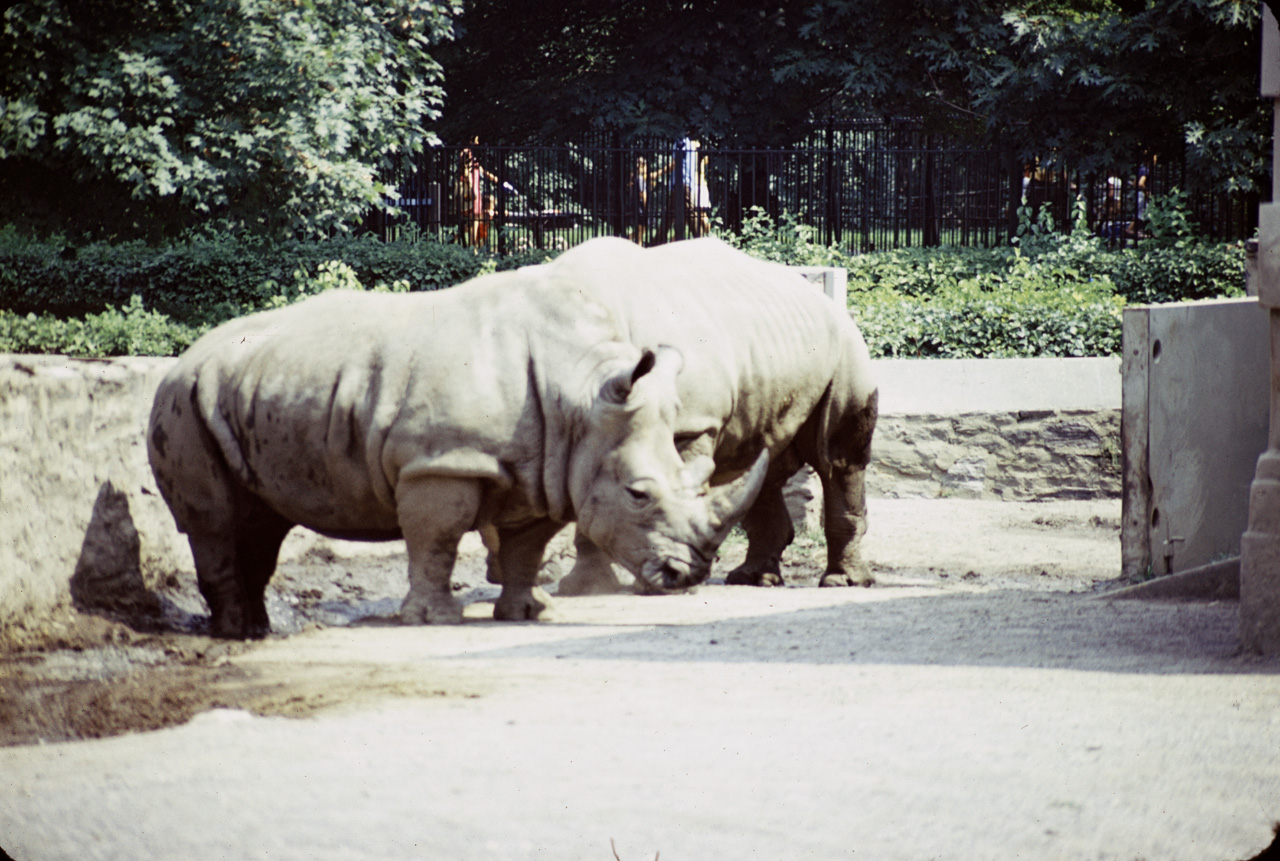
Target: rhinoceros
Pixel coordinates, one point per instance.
(513, 404)
(770, 364)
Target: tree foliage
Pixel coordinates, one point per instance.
(523, 69)
(1089, 83)
(270, 116)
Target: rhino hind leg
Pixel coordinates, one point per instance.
(844, 497)
(520, 556)
(434, 513)
(769, 531)
(592, 572)
(845, 514)
(233, 568)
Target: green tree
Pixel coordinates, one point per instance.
(1088, 83)
(1091, 83)
(273, 117)
(551, 69)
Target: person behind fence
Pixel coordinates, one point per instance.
(642, 179)
(1139, 226)
(1111, 225)
(473, 214)
(689, 187)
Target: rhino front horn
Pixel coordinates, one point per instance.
(727, 505)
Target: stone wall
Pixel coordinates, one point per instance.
(82, 524)
(1039, 454)
(1024, 456)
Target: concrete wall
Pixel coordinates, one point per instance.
(81, 521)
(1196, 389)
(998, 428)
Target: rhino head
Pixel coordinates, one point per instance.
(635, 497)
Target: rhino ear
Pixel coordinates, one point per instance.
(648, 359)
(665, 361)
(617, 388)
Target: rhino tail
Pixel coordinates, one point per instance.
(206, 398)
(844, 430)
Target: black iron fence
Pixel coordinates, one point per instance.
(861, 187)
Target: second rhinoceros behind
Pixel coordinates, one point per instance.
(769, 363)
(513, 402)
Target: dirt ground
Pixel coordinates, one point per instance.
(983, 700)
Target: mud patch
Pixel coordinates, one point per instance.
(153, 682)
(107, 680)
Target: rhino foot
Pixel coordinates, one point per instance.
(746, 575)
(444, 610)
(840, 578)
(522, 606)
(235, 623)
(644, 587)
(238, 629)
(590, 581)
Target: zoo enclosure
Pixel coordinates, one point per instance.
(860, 185)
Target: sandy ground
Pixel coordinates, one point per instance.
(985, 700)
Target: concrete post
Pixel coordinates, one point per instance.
(1260, 544)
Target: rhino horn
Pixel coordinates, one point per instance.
(728, 504)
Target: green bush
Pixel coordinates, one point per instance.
(1050, 293)
(992, 317)
(787, 241)
(1150, 273)
(105, 299)
(201, 281)
(133, 331)
(1156, 273)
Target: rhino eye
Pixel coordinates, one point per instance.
(639, 494)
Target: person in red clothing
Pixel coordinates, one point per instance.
(474, 207)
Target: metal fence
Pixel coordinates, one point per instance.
(861, 186)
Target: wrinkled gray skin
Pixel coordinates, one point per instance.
(511, 404)
(770, 363)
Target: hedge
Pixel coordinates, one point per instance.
(965, 302)
(1052, 294)
(203, 281)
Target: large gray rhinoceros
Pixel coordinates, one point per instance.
(511, 404)
(770, 363)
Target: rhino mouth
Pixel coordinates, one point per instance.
(673, 573)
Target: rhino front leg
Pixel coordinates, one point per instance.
(520, 555)
(434, 513)
(769, 531)
(592, 572)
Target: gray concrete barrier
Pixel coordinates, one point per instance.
(82, 523)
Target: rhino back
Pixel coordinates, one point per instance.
(320, 407)
(762, 346)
